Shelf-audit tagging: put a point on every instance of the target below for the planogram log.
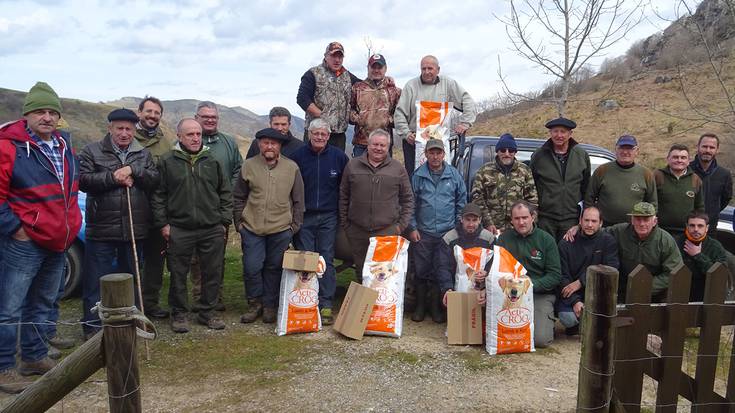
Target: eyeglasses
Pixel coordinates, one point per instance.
(507, 150)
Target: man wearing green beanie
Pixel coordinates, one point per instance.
(39, 219)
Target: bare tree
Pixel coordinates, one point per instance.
(701, 111)
(561, 36)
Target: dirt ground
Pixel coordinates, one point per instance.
(249, 368)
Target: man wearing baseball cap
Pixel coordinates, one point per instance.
(39, 219)
(110, 170)
(561, 170)
(618, 185)
(324, 93)
(469, 233)
(268, 211)
(641, 241)
(373, 103)
(439, 197)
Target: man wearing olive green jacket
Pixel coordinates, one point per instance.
(149, 134)
(192, 207)
(268, 211)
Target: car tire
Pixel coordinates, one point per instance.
(73, 270)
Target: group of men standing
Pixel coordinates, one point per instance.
(177, 199)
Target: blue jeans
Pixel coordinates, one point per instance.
(51, 328)
(29, 284)
(566, 315)
(262, 260)
(102, 258)
(318, 234)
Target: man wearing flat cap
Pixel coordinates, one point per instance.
(268, 211)
(439, 197)
(372, 104)
(39, 220)
(561, 170)
(110, 171)
(618, 185)
(325, 92)
(500, 183)
(641, 241)
(192, 208)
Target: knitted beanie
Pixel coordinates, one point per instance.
(506, 141)
(41, 96)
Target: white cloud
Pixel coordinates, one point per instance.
(252, 54)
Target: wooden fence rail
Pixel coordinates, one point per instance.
(638, 321)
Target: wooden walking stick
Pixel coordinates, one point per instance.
(137, 268)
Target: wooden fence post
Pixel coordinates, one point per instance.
(119, 344)
(598, 339)
(62, 379)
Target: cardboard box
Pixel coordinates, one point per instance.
(355, 312)
(301, 260)
(464, 318)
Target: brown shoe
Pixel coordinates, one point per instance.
(12, 382)
(179, 323)
(61, 343)
(269, 315)
(210, 321)
(29, 368)
(255, 309)
(53, 353)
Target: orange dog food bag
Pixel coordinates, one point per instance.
(385, 267)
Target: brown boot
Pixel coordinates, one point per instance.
(12, 382)
(269, 315)
(255, 309)
(30, 368)
(179, 323)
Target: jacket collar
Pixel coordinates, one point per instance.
(694, 164)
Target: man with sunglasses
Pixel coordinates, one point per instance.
(501, 183)
(561, 170)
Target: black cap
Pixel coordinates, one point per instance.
(471, 209)
(272, 134)
(567, 123)
(123, 114)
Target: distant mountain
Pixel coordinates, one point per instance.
(233, 120)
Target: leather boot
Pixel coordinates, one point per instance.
(435, 304)
(255, 309)
(419, 312)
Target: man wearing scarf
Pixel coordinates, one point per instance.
(699, 251)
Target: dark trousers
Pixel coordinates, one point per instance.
(153, 259)
(262, 259)
(409, 157)
(556, 228)
(196, 275)
(209, 244)
(426, 256)
(102, 258)
(318, 234)
(359, 240)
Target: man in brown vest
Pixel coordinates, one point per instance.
(268, 211)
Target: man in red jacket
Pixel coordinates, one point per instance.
(39, 219)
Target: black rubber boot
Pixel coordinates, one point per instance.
(419, 312)
(435, 304)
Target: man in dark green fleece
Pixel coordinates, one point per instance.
(561, 171)
(642, 242)
(537, 251)
(223, 148)
(618, 185)
(699, 251)
(192, 207)
(679, 190)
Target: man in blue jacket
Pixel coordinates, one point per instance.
(323, 165)
(439, 196)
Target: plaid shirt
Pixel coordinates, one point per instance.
(53, 152)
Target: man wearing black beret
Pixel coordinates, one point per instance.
(107, 168)
(268, 200)
(561, 170)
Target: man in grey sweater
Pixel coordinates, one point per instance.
(429, 86)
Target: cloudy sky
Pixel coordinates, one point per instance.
(253, 53)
